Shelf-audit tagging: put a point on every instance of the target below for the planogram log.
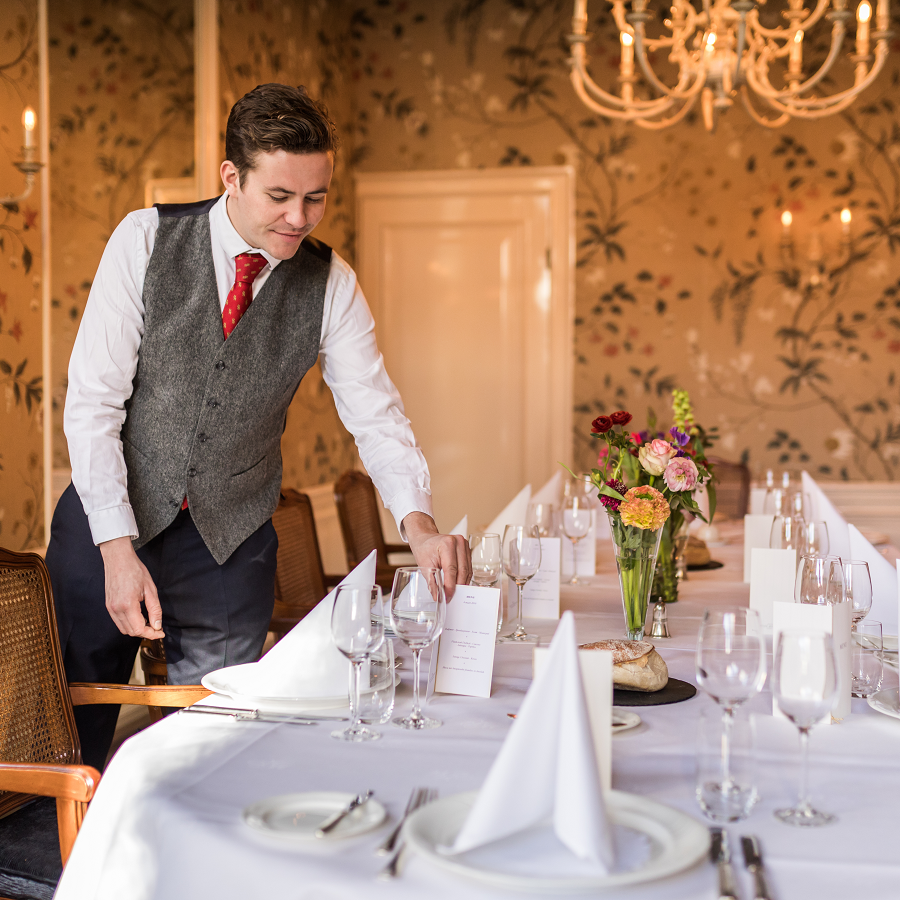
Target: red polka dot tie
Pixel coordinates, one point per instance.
(247, 267)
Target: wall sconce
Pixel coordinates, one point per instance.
(817, 271)
(27, 165)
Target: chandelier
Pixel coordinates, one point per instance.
(723, 50)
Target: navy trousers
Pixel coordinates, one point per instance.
(212, 615)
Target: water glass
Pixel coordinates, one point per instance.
(858, 588)
(867, 667)
(540, 515)
(418, 607)
(820, 580)
(726, 796)
(376, 702)
(788, 533)
(486, 564)
(804, 684)
(816, 539)
(357, 629)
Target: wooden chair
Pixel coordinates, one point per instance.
(300, 579)
(39, 747)
(732, 488)
(357, 508)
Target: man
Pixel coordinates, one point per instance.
(200, 324)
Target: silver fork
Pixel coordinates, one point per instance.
(392, 869)
(415, 799)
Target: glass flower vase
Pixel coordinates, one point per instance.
(665, 581)
(636, 553)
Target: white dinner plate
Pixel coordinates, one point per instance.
(886, 702)
(297, 816)
(624, 720)
(229, 680)
(668, 840)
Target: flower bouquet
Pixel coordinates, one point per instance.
(647, 483)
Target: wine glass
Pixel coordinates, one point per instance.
(816, 539)
(805, 684)
(820, 580)
(857, 589)
(417, 617)
(541, 516)
(773, 503)
(521, 561)
(357, 629)
(731, 668)
(576, 523)
(788, 533)
(485, 549)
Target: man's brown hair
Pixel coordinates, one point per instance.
(277, 117)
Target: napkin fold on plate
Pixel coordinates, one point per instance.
(550, 492)
(305, 662)
(884, 581)
(514, 514)
(462, 527)
(823, 510)
(547, 766)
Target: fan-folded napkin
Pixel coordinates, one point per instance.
(514, 514)
(547, 766)
(884, 581)
(550, 492)
(823, 510)
(462, 527)
(305, 662)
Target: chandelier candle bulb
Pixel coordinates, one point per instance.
(627, 65)
(29, 121)
(786, 220)
(846, 217)
(863, 15)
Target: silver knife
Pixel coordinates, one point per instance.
(260, 715)
(754, 863)
(331, 823)
(721, 856)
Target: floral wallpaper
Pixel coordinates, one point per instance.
(792, 351)
(21, 387)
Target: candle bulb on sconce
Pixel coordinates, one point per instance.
(846, 218)
(29, 121)
(863, 15)
(787, 243)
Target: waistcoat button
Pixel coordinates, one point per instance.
(220, 365)
(192, 472)
(212, 403)
(202, 437)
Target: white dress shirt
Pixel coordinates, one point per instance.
(105, 357)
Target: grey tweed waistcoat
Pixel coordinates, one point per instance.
(206, 415)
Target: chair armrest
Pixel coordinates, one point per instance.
(137, 694)
(397, 548)
(65, 782)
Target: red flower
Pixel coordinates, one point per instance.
(611, 350)
(601, 425)
(16, 330)
(621, 417)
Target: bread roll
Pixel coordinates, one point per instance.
(636, 664)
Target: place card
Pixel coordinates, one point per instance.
(465, 652)
(757, 531)
(772, 577)
(585, 551)
(540, 596)
(597, 677)
(757, 501)
(833, 619)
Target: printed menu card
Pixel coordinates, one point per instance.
(465, 652)
(540, 596)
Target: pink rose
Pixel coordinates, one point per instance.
(655, 456)
(681, 474)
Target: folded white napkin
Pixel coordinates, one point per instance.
(514, 514)
(884, 581)
(823, 510)
(462, 527)
(547, 766)
(550, 492)
(305, 662)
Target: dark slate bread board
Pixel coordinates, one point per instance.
(674, 692)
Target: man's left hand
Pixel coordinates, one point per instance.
(447, 552)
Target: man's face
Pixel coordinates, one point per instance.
(281, 200)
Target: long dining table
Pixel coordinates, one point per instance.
(166, 821)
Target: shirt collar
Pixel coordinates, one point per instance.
(232, 243)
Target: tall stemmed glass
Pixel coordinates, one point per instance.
(541, 516)
(486, 564)
(731, 668)
(576, 523)
(417, 617)
(521, 561)
(820, 580)
(857, 589)
(357, 629)
(805, 684)
(816, 539)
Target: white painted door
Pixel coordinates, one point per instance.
(470, 279)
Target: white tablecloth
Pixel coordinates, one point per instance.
(166, 820)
